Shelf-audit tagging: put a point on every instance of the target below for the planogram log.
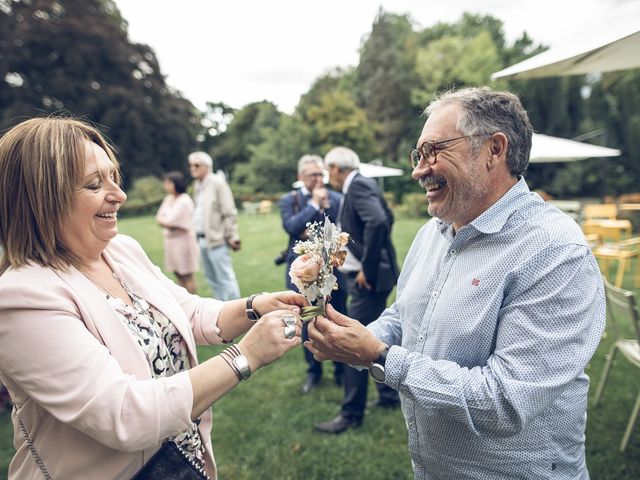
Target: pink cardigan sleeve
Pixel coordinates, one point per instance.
(46, 351)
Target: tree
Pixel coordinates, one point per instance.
(454, 61)
(614, 107)
(273, 162)
(74, 57)
(247, 128)
(336, 79)
(384, 79)
(337, 121)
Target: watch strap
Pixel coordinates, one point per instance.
(382, 358)
(252, 313)
(376, 368)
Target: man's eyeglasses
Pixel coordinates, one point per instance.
(429, 150)
(195, 165)
(314, 175)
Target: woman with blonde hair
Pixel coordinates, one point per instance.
(97, 346)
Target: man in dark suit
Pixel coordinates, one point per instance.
(311, 202)
(371, 271)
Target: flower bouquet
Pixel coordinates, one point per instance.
(312, 271)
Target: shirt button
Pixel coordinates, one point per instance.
(421, 338)
(452, 251)
(411, 425)
(434, 294)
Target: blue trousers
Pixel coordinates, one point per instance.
(218, 271)
(364, 306)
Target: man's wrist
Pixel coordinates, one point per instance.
(381, 348)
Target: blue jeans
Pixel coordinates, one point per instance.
(218, 271)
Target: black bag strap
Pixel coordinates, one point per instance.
(296, 200)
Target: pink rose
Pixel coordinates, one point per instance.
(305, 268)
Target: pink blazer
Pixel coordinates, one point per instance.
(81, 384)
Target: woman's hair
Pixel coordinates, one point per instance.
(41, 167)
(178, 180)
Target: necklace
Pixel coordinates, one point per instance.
(123, 284)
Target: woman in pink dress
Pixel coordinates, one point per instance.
(181, 254)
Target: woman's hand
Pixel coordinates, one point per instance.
(286, 300)
(265, 342)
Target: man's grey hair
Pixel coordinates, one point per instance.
(204, 157)
(486, 111)
(343, 157)
(309, 160)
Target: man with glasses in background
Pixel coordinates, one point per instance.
(499, 308)
(215, 220)
(308, 203)
(371, 271)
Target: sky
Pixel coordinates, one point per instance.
(243, 51)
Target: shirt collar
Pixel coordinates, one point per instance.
(304, 191)
(493, 219)
(348, 180)
(206, 179)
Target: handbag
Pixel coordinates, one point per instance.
(170, 462)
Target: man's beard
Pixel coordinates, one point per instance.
(461, 195)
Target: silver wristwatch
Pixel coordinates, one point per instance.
(376, 368)
(242, 365)
(237, 361)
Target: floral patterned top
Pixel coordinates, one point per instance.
(165, 350)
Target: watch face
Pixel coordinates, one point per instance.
(377, 372)
(241, 362)
(243, 365)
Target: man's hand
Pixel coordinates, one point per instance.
(234, 245)
(341, 338)
(361, 281)
(320, 197)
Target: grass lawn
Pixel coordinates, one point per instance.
(264, 428)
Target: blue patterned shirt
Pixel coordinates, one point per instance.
(490, 335)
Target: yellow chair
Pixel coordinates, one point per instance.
(595, 211)
(621, 306)
(265, 207)
(607, 232)
(250, 208)
(622, 252)
(593, 239)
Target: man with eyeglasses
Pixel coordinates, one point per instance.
(215, 220)
(499, 308)
(308, 203)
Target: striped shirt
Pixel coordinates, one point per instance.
(490, 335)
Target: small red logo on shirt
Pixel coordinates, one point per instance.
(475, 282)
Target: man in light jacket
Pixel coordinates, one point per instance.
(215, 222)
